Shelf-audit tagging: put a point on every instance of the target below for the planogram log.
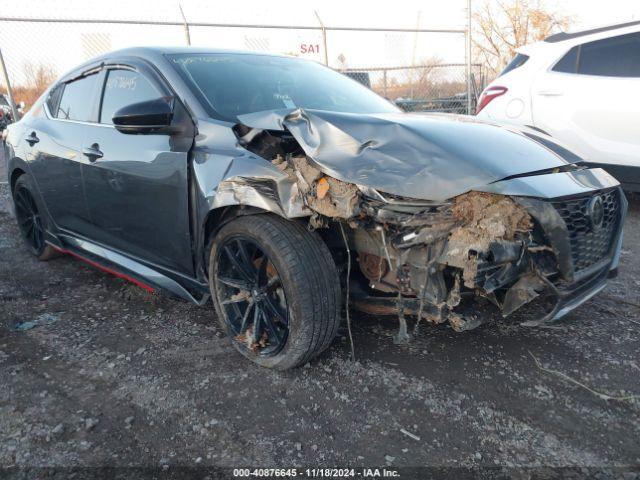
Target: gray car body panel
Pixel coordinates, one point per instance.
(553, 185)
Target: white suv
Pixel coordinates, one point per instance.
(581, 88)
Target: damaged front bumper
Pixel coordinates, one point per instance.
(571, 298)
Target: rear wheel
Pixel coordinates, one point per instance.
(275, 289)
(30, 220)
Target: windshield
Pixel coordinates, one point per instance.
(236, 84)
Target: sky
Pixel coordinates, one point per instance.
(64, 46)
(402, 13)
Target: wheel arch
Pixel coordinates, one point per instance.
(16, 173)
(216, 218)
(18, 168)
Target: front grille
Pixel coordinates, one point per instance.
(590, 244)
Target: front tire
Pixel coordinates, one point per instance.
(31, 221)
(275, 289)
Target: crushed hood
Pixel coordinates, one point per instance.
(429, 157)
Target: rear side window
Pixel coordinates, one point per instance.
(122, 88)
(517, 61)
(77, 99)
(568, 63)
(611, 57)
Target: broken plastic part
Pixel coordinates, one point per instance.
(523, 291)
(322, 188)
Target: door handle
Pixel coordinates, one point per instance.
(32, 139)
(93, 153)
(550, 93)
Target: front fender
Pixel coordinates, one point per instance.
(226, 174)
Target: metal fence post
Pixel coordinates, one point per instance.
(324, 38)
(187, 33)
(14, 110)
(384, 82)
(469, 103)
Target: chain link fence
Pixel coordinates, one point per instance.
(403, 65)
(423, 88)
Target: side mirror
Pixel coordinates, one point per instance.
(152, 116)
(21, 105)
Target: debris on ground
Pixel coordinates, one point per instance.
(409, 434)
(42, 319)
(601, 395)
(90, 423)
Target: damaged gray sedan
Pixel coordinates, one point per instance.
(284, 191)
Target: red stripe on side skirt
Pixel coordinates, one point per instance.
(124, 276)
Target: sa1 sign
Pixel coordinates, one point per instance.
(309, 48)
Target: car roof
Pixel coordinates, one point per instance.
(562, 36)
(561, 42)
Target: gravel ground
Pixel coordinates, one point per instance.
(115, 376)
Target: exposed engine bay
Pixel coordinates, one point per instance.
(416, 257)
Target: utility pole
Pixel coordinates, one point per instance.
(14, 110)
(469, 103)
(324, 38)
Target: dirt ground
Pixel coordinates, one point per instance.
(115, 376)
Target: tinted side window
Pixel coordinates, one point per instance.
(124, 87)
(612, 57)
(77, 99)
(517, 61)
(568, 63)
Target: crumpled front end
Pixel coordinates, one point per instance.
(551, 236)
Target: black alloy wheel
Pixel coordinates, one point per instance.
(251, 293)
(275, 289)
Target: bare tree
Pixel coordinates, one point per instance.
(502, 26)
(38, 76)
(417, 82)
(36, 80)
(427, 73)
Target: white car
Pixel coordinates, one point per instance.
(581, 88)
